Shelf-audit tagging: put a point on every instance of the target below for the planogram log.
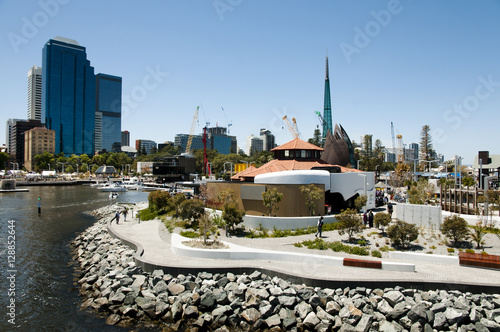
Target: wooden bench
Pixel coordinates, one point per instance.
(480, 260)
(362, 263)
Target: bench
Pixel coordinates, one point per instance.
(479, 260)
(362, 263)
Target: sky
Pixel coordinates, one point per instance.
(410, 62)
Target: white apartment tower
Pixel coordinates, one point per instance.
(35, 93)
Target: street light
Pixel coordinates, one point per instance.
(358, 163)
(430, 161)
(62, 166)
(231, 169)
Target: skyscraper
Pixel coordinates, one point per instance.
(125, 138)
(35, 93)
(327, 111)
(268, 139)
(68, 96)
(108, 112)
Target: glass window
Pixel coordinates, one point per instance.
(287, 153)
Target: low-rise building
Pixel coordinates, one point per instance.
(37, 141)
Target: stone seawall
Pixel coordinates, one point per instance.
(115, 288)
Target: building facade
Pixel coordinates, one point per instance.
(181, 141)
(145, 144)
(125, 138)
(108, 113)
(35, 93)
(254, 145)
(268, 139)
(15, 139)
(37, 141)
(220, 141)
(68, 96)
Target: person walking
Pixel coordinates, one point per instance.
(117, 217)
(389, 209)
(365, 219)
(370, 219)
(39, 205)
(320, 227)
(125, 214)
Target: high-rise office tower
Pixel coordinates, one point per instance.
(35, 93)
(125, 138)
(268, 139)
(68, 96)
(108, 113)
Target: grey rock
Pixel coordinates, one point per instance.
(251, 315)
(266, 310)
(438, 307)
(315, 301)
(393, 297)
(417, 327)
(406, 323)
(191, 312)
(346, 327)
(276, 291)
(176, 289)
(255, 275)
(396, 314)
(274, 320)
(161, 308)
(332, 307)
(384, 307)
(323, 315)
(261, 294)
(222, 310)
(311, 320)
(490, 325)
(454, 316)
(364, 323)
(207, 302)
(117, 298)
(387, 326)
(303, 309)
(440, 321)
(480, 327)
(113, 319)
(160, 287)
(222, 282)
(220, 296)
(287, 301)
(418, 312)
(176, 310)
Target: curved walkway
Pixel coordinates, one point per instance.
(154, 250)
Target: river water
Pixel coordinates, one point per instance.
(39, 282)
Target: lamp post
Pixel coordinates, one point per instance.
(231, 169)
(62, 165)
(358, 163)
(430, 161)
(414, 168)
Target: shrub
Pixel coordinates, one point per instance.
(159, 201)
(232, 216)
(382, 219)
(271, 199)
(402, 233)
(297, 245)
(350, 223)
(455, 228)
(470, 251)
(190, 234)
(191, 210)
(147, 214)
(477, 234)
(450, 250)
(376, 253)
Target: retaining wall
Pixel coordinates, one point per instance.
(421, 215)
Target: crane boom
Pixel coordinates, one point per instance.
(191, 132)
(291, 129)
(393, 141)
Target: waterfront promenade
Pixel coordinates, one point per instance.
(157, 242)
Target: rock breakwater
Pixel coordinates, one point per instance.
(115, 288)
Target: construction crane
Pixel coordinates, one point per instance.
(393, 141)
(229, 124)
(321, 120)
(293, 129)
(191, 132)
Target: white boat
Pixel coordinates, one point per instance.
(113, 195)
(112, 187)
(133, 184)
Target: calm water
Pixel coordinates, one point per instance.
(46, 298)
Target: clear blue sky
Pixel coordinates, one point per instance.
(410, 62)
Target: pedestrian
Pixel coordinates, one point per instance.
(320, 227)
(370, 219)
(389, 209)
(125, 214)
(365, 218)
(39, 205)
(117, 217)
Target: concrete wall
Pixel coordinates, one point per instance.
(421, 215)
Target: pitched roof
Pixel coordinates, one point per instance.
(278, 165)
(297, 144)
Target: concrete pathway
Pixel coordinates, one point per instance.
(156, 241)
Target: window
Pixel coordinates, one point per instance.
(302, 153)
(287, 153)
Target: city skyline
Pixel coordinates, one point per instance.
(412, 63)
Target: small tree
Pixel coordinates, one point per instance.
(205, 226)
(232, 216)
(455, 228)
(349, 222)
(191, 210)
(159, 201)
(177, 200)
(271, 199)
(477, 233)
(402, 233)
(421, 193)
(382, 219)
(468, 181)
(360, 202)
(312, 195)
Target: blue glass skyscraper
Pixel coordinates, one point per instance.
(108, 113)
(68, 96)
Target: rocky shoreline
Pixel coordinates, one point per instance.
(115, 288)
